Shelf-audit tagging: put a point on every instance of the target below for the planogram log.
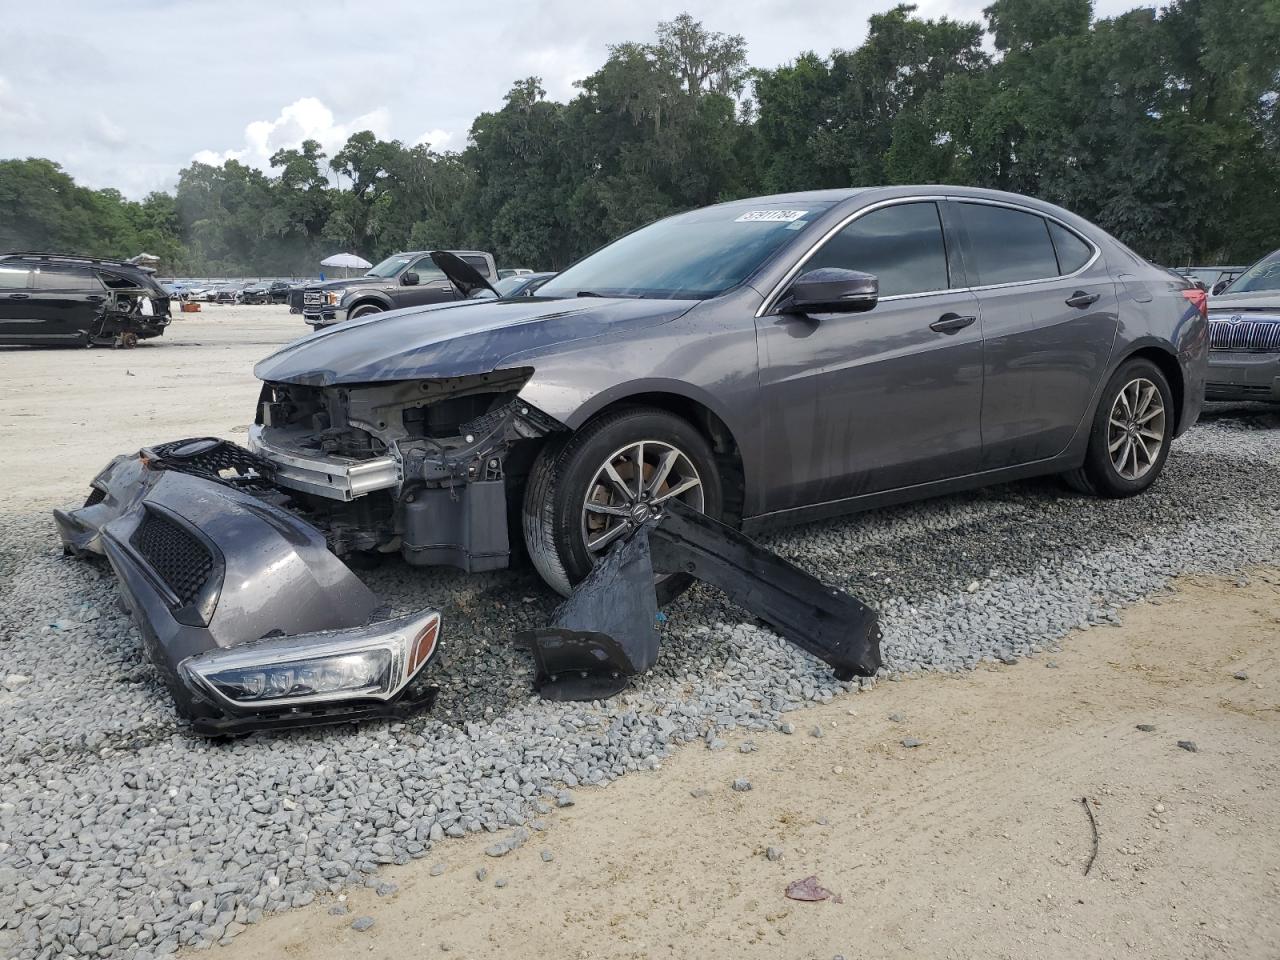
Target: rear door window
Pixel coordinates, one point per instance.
(63, 277)
(14, 277)
(1008, 246)
(901, 244)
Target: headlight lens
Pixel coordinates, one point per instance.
(334, 297)
(376, 661)
(355, 673)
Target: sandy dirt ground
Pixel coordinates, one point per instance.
(972, 845)
(64, 413)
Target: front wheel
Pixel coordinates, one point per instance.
(595, 488)
(364, 310)
(1131, 433)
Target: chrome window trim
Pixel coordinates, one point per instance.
(775, 294)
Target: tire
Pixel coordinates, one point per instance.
(556, 515)
(1122, 459)
(364, 310)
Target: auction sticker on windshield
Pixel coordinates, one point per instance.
(770, 216)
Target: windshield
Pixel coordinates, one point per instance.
(390, 266)
(692, 256)
(1263, 275)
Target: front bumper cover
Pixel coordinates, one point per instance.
(250, 618)
(207, 569)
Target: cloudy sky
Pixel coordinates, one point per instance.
(125, 94)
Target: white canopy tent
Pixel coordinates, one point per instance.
(347, 261)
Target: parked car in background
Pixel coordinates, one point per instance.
(227, 293)
(513, 272)
(401, 280)
(1244, 335)
(256, 292)
(1211, 279)
(278, 292)
(521, 285)
(50, 299)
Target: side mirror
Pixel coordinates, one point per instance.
(1220, 286)
(832, 290)
(409, 279)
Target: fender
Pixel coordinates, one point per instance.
(372, 296)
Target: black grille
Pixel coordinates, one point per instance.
(216, 460)
(1241, 333)
(182, 561)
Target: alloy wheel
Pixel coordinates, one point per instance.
(1135, 429)
(630, 488)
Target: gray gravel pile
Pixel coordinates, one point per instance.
(123, 836)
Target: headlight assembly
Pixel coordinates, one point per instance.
(370, 662)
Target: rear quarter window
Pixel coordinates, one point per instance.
(1073, 253)
(481, 264)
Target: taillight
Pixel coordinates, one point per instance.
(1200, 299)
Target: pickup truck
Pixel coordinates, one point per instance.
(402, 280)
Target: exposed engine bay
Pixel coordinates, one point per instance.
(423, 468)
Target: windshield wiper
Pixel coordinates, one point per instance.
(588, 293)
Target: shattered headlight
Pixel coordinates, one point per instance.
(374, 661)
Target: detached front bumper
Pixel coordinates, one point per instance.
(252, 622)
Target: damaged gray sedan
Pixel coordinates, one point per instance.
(763, 362)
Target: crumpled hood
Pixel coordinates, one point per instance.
(455, 339)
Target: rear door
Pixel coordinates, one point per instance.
(71, 298)
(1049, 319)
(17, 301)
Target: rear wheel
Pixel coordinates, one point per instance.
(1131, 433)
(592, 490)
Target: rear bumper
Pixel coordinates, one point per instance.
(1237, 375)
(215, 578)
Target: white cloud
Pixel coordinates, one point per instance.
(436, 139)
(13, 109)
(304, 119)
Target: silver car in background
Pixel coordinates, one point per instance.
(1244, 336)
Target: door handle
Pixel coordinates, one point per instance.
(19, 296)
(1081, 299)
(951, 323)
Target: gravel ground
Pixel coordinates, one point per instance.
(122, 835)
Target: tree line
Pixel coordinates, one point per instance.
(1162, 126)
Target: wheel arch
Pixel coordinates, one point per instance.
(370, 300)
(705, 419)
(1167, 362)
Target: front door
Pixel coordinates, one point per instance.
(1049, 319)
(432, 287)
(858, 403)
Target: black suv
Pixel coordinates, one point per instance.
(50, 299)
(401, 280)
